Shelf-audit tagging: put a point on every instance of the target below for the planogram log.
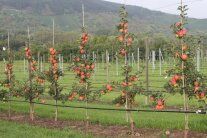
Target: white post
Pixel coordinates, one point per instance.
(198, 59)
(41, 59)
(117, 65)
(95, 70)
(133, 60)
(206, 55)
(59, 59)
(160, 59)
(153, 61)
(138, 57)
(107, 65)
(93, 56)
(43, 62)
(24, 66)
(4, 64)
(62, 65)
(126, 58)
(102, 59)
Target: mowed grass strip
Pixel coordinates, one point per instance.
(16, 130)
(142, 119)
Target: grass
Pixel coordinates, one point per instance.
(142, 120)
(16, 130)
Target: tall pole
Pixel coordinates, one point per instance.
(138, 61)
(86, 86)
(30, 77)
(9, 75)
(160, 59)
(147, 68)
(54, 84)
(53, 33)
(185, 98)
(83, 14)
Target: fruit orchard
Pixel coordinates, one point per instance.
(89, 84)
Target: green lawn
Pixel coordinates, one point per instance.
(16, 130)
(142, 120)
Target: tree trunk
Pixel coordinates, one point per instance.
(86, 105)
(9, 109)
(132, 124)
(31, 110)
(186, 116)
(56, 109)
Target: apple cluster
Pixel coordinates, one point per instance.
(53, 62)
(84, 40)
(125, 38)
(198, 92)
(28, 55)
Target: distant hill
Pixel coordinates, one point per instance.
(101, 16)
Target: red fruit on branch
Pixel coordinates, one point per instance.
(129, 44)
(109, 87)
(130, 39)
(152, 98)
(178, 24)
(196, 83)
(82, 76)
(88, 66)
(126, 25)
(160, 102)
(159, 107)
(181, 33)
(173, 82)
(88, 75)
(70, 98)
(124, 84)
(121, 39)
(202, 95)
(93, 66)
(177, 77)
(184, 47)
(51, 49)
(82, 51)
(126, 31)
(81, 98)
(196, 93)
(83, 36)
(184, 57)
(196, 88)
(122, 51)
(184, 31)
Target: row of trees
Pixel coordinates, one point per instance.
(66, 43)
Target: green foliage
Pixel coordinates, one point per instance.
(32, 92)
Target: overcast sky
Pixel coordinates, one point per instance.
(197, 8)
